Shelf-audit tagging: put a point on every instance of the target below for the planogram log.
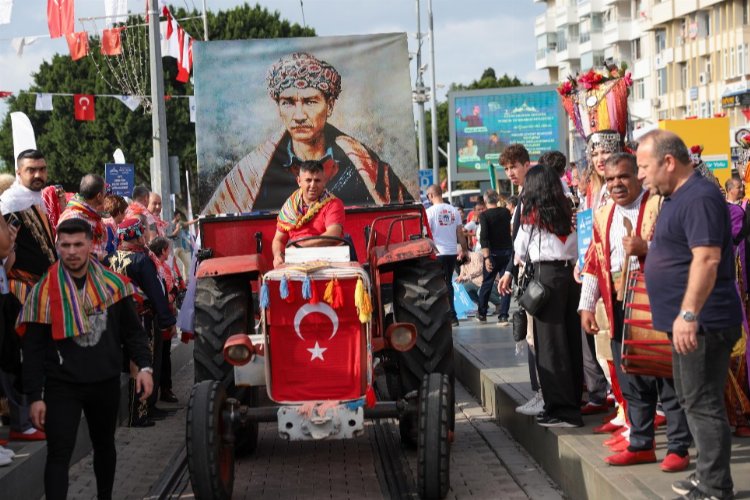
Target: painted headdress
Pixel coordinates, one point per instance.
(301, 70)
(695, 153)
(597, 104)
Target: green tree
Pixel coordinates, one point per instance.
(73, 148)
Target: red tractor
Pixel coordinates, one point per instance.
(330, 339)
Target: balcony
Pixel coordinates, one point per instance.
(546, 58)
(685, 7)
(619, 31)
(586, 7)
(571, 53)
(544, 24)
(708, 3)
(642, 68)
(565, 15)
(662, 12)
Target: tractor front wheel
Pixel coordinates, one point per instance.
(433, 448)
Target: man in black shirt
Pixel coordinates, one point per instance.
(497, 247)
(75, 322)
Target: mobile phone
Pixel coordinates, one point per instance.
(14, 221)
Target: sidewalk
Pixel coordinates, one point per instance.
(487, 365)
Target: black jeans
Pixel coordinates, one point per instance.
(499, 263)
(165, 384)
(99, 402)
(449, 264)
(699, 378)
(557, 341)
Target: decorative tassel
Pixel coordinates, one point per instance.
(290, 292)
(314, 299)
(284, 287)
(328, 294)
(338, 295)
(306, 291)
(362, 301)
(370, 397)
(264, 297)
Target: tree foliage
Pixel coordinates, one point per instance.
(73, 148)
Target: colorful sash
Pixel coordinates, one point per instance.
(293, 216)
(56, 300)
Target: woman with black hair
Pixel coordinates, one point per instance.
(547, 239)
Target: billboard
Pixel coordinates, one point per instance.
(263, 106)
(484, 122)
(713, 135)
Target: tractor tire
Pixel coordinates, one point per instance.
(210, 459)
(223, 307)
(420, 296)
(433, 449)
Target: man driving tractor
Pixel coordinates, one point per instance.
(310, 211)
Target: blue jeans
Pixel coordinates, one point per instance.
(699, 379)
(499, 263)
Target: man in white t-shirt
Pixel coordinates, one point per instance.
(447, 233)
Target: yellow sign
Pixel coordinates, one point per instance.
(713, 135)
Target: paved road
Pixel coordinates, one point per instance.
(485, 461)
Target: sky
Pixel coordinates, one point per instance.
(470, 35)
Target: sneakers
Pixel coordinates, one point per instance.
(533, 406)
(503, 320)
(628, 457)
(546, 420)
(690, 488)
(454, 322)
(5, 460)
(481, 318)
(31, 434)
(675, 463)
(7, 452)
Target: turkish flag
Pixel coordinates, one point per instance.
(84, 107)
(60, 17)
(5, 93)
(315, 352)
(111, 42)
(78, 44)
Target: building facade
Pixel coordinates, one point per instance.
(688, 58)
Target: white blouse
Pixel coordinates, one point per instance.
(544, 246)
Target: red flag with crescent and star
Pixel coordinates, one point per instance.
(78, 44)
(84, 107)
(315, 352)
(112, 42)
(60, 17)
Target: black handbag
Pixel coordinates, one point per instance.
(520, 324)
(535, 294)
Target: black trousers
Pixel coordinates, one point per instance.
(99, 402)
(165, 384)
(499, 263)
(449, 264)
(557, 341)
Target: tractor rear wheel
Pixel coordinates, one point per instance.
(224, 307)
(433, 449)
(210, 458)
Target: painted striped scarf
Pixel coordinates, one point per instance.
(292, 214)
(56, 300)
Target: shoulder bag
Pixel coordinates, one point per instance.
(535, 294)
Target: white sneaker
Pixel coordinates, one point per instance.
(7, 452)
(5, 460)
(533, 406)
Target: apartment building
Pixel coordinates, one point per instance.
(688, 58)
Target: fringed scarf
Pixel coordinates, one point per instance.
(78, 208)
(57, 301)
(295, 214)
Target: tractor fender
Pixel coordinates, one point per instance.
(236, 264)
(404, 250)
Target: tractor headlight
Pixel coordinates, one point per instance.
(239, 350)
(401, 336)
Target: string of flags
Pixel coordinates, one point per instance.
(85, 104)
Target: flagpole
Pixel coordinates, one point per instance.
(205, 22)
(160, 165)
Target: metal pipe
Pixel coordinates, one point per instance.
(433, 100)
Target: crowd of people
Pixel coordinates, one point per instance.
(91, 282)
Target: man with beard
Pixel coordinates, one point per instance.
(86, 205)
(76, 363)
(305, 90)
(134, 260)
(34, 252)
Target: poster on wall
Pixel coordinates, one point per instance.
(484, 122)
(264, 106)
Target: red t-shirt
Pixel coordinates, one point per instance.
(331, 213)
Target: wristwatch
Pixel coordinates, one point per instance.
(147, 369)
(688, 316)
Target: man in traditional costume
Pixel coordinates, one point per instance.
(602, 273)
(23, 207)
(86, 205)
(75, 322)
(700, 166)
(305, 90)
(310, 211)
(134, 260)
(139, 208)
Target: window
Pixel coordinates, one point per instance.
(585, 30)
(663, 115)
(597, 23)
(661, 40)
(742, 59)
(725, 65)
(684, 75)
(661, 81)
(704, 110)
(732, 63)
(636, 48)
(745, 11)
(639, 89)
(562, 40)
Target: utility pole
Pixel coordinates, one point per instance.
(205, 22)
(433, 115)
(160, 182)
(420, 97)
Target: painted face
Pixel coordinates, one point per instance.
(516, 172)
(33, 173)
(304, 113)
(312, 184)
(598, 157)
(74, 250)
(622, 183)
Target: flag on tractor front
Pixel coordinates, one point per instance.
(84, 107)
(60, 17)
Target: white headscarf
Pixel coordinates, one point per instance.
(18, 197)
